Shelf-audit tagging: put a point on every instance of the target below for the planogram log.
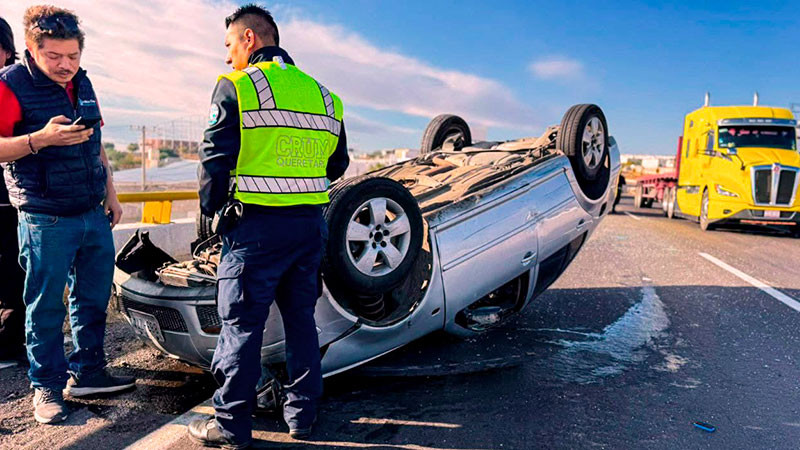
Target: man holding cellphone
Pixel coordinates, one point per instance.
(57, 177)
(12, 308)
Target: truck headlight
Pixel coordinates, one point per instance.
(722, 191)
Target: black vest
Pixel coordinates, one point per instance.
(59, 180)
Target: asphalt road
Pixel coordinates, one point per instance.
(655, 325)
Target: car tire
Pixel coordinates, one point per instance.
(203, 227)
(704, 223)
(583, 137)
(374, 218)
(445, 129)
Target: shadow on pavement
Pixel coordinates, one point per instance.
(614, 367)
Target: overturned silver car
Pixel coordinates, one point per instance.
(458, 239)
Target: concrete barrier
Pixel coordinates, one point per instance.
(174, 238)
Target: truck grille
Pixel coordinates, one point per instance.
(168, 319)
(774, 185)
(786, 187)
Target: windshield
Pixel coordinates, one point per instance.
(757, 136)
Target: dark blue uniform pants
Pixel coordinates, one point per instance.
(268, 256)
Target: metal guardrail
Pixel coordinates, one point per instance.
(158, 204)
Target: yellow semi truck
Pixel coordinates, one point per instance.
(735, 164)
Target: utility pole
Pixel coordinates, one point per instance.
(143, 129)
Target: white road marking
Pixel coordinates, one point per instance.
(635, 217)
(778, 295)
(374, 421)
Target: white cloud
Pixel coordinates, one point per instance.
(557, 68)
(360, 124)
(161, 58)
(365, 75)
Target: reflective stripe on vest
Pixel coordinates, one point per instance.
(326, 97)
(290, 126)
(265, 97)
(290, 119)
(278, 185)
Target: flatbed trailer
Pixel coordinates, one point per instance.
(662, 188)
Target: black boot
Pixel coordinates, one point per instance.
(206, 432)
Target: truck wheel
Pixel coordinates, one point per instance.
(583, 137)
(647, 203)
(671, 202)
(704, 224)
(375, 234)
(637, 197)
(445, 130)
(664, 200)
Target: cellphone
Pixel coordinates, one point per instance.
(88, 123)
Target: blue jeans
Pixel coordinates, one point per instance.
(76, 251)
(268, 257)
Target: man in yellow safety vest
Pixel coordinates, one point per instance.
(275, 140)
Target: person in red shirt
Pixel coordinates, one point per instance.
(12, 308)
(58, 179)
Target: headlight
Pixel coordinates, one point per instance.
(722, 191)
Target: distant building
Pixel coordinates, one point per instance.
(153, 146)
(361, 163)
(648, 163)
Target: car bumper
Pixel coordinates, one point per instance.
(181, 318)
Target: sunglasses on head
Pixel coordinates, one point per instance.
(52, 24)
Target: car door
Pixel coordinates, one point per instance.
(498, 240)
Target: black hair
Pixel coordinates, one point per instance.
(7, 42)
(257, 19)
(34, 33)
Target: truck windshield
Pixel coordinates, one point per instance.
(757, 136)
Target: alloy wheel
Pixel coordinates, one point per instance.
(593, 143)
(378, 236)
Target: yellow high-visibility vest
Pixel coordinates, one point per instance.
(289, 126)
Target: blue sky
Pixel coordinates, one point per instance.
(509, 67)
(646, 66)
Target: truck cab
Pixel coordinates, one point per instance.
(739, 164)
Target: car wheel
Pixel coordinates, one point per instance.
(203, 227)
(583, 137)
(375, 234)
(445, 130)
(704, 223)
